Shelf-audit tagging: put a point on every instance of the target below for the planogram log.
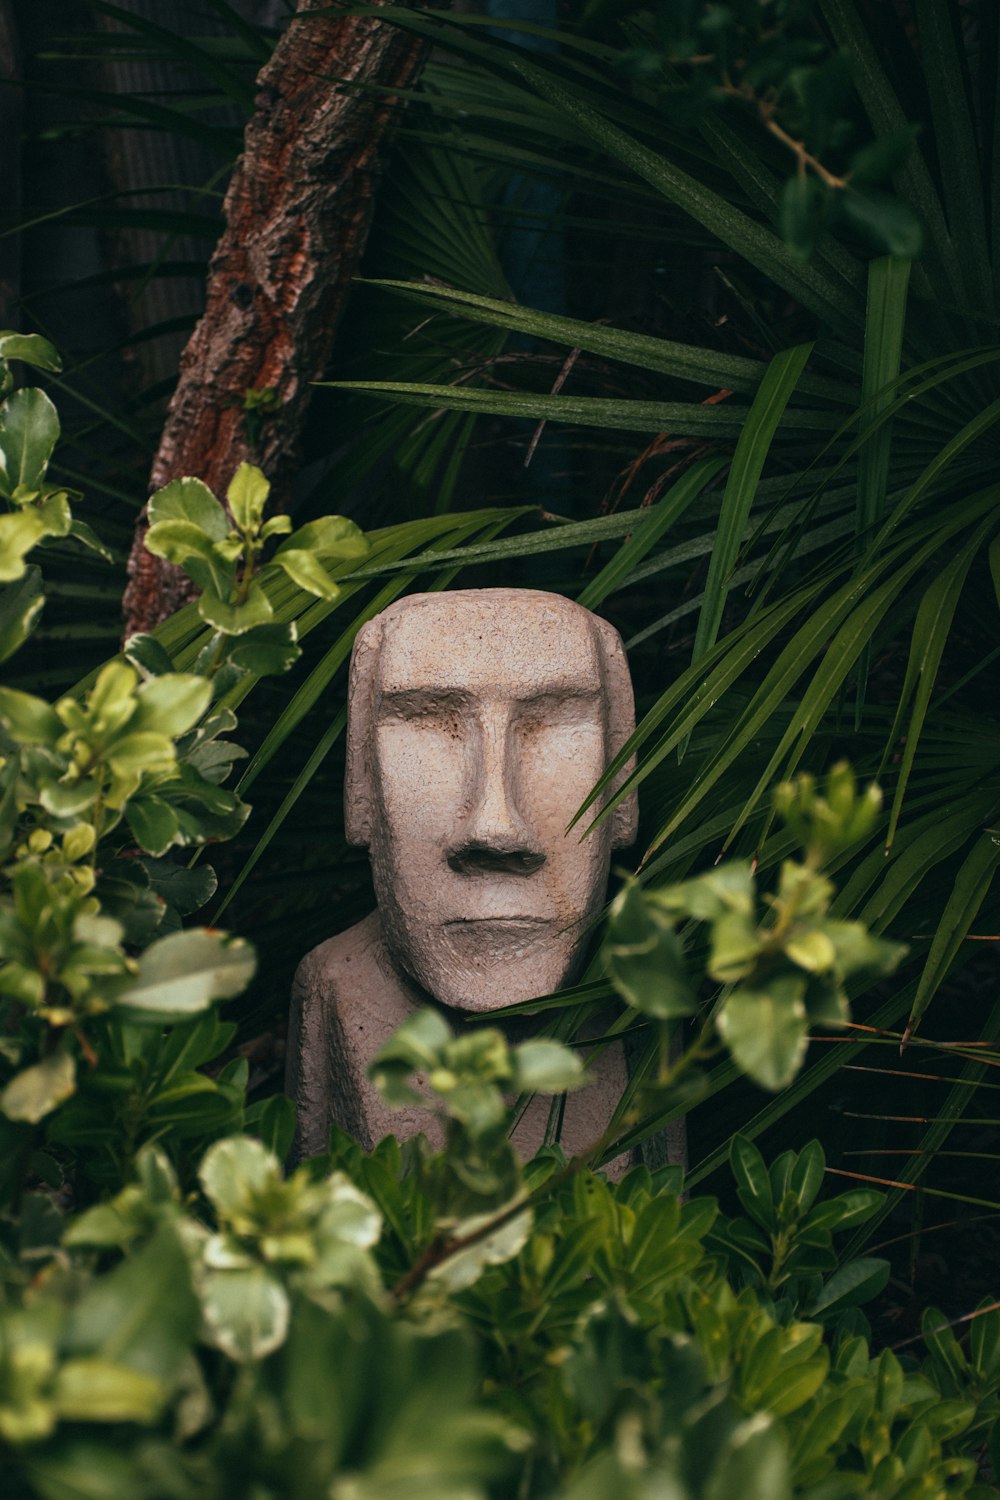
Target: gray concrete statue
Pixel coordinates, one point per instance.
(478, 722)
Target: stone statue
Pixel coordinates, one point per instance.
(478, 722)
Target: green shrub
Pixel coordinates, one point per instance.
(405, 1323)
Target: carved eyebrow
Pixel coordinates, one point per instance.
(414, 702)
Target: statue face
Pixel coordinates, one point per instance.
(489, 725)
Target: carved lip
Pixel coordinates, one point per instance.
(506, 923)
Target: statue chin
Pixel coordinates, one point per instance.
(479, 966)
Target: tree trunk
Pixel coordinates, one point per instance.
(297, 215)
(11, 122)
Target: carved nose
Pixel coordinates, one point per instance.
(495, 838)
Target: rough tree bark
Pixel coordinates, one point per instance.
(297, 215)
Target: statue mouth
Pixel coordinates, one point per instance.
(494, 938)
(512, 923)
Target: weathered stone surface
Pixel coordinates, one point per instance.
(478, 722)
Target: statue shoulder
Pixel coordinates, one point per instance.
(329, 974)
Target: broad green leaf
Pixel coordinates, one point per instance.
(856, 1282)
(82, 533)
(645, 958)
(793, 1387)
(183, 973)
(29, 720)
(546, 1066)
(753, 1181)
(246, 1312)
(93, 1390)
(171, 704)
(806, 1177)
(751, 1464)
(153, 824)
(236, 619)
(267, 649)
(142, 1314)
(30, 349)
(146, 653)
(192, 501)
(29, 431)
(766, 1031)
(37, 1091)
(20, 530)
(329, 536)
(142, 752)
(464, 1267)
(307, 571)
(235, 1171)
(247, 496)
(21, 603)
(187, 545)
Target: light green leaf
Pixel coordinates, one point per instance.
(171, 704)
(146, 653)
(751, 1464)
(38, 1090)
(546, 1066)
(29, 720)
(246, 1312)
(142, 1314)
(765, 1030)
(29, 431)
(234, 1170)
(82, 533)
(20, 530)
(236, 619)
(465, 1266)
(812, 949)
(247, 495)
(93, 1390)
(418, 1042)
(328, 536)
(187, 546)
(141, 752)
(30, 349)
(645, 958)
(21, 603)
(183, 973)
(307, 571)
(192, 501)
(736, 945)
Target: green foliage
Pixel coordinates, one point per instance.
(781, 973)
(106, 1001)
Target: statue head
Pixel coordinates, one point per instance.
(478, 722)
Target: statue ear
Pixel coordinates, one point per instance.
(620, 725)
(358, 785)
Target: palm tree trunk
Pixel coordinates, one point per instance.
(297, 215)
